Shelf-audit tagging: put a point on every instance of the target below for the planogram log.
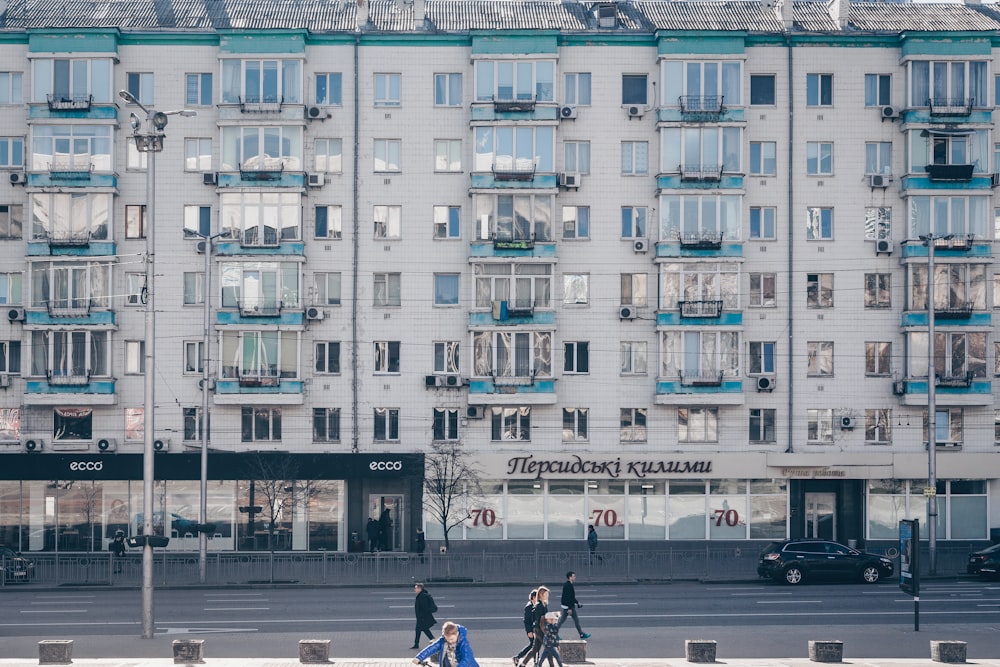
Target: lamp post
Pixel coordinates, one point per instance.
(931, 490)
(148, 136)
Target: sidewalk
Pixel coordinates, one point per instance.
(292, 661)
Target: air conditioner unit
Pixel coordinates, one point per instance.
(570, 179)
(879, 180)
(765, 383)
(640, 245)
(890, 112)
(626, 312)
(883, 247)
(317, 180)
(18, 178)
(567, 113)
(634, 111)
(314, 313)
(475, 411)
(32, 444)
(211, 384)
(4, 381)
(899, 387)
(107, 444)
(161, 444)
(430, 380)
(210, 178)
(201, 246)
(452, 381)
(847, 423)
(15, 314)
(316, 113)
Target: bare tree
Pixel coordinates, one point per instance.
(451, 485)
(274, 477)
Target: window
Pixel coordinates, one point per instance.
(328, 89)
(577, 156)
(192, 424)
(194, 288)
(959, 357)
(387, 90)
(762, 425)
(135, 357)
(510, 424)
(761, 357)
(11, 221)
(140, 84)
(194, 357)
(11, 152)
(957, 215)
(960, 287)
(448, 90)
(878, 290)
(496, 219)
(267, 81)
(576, 89)
(386, 424)
(635, 158)
(91, 148)
(388, 220)
(261, 148)
(819, 90)
(700, 217)
(700, 356)
(386, 356)
(261, 288)
(72, 424)
(70, 355)
(71, 287)
(446, 289)
(632, 423)
(519, 149)
(10, 288)
(512, 354)
(878, 157)
(198, 89)
(878, 223)
(260, 357)
(576, 222)
(819, 158)
(329, 222)
(576, 289)
(634, 222)
(445, 424)
(386, 289)
(387, 154)
(326, 288)
(819, 358)
(135, 221)
(948, 423)
(633, 289)
(576, 357)
(135, 424)
(330, 155)
(634, 89)
(72, 79)
(260, 424)
(819, 223)
(763, 225)
(948, 83)
(762, 90)
(134, 159)
(700, 282)
(326, 424)
(819, 426)
(10, 357)
(763, 158)
(327, 357)
(448, 155)
(198, 220)
(878, 358)
(701, 152)
(763, 290)
(197, 154)
(446, 359)
(11, 88)
(633, 357)
(447, 222)
(526, 286)
(135, 289)
(819, 290)
(702, 86)
(878, 426)
(520, 80)
(878, 90)
(698, 424)
(574, 424)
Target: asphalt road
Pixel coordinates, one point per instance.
(748, 620)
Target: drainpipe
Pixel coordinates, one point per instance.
(791, 243)
(354, 259)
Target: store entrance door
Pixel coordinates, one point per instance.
(387, 510)
(821, 516)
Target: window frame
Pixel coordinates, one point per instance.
(195, 82)
(819, 358)
(326, 420)
(388, 90)
(819, 90)
(576, 354)
(444, 83)
(762, 423)
(326, 354)
(575, 426)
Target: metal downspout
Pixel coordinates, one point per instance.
(354, 259)
(791, 247)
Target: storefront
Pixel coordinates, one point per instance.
(256, 500)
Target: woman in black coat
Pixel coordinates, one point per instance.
(423, 608)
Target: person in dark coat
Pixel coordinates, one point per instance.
(529, 627)
(372, 531)
(423, 608)
(570, 604)
(592, 544)
(118, 548)
(420, 544)
(452, 648)
(385, 530)
(540, 609)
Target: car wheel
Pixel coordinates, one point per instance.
(870, 574)
(793, 575)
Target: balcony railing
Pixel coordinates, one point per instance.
(69, 308)
(698, 379)
(950, 172)
(954, 243)
(513, 105)
(264, 169)
(511, 242)
(264, 104)
(261, 379)
(700, 308)
(260, 308)
(962, 380)
(701, 172)
(702, 106)
(521, 379)
(514, 173)
(953, 312)
(704, 240)
(256, 238)
(69, 102)
(78, 169)
(68, 239)
(951, 106)
(68, 377)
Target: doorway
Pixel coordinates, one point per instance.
(821, 516)
(387, 511)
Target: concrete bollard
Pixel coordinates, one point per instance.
(573, 650)
(826, 651)
(314, 650)
(55, 652)
(948, 651)
(189, 651)
(699, 650)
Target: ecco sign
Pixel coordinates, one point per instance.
(86, 465)
(385, 465)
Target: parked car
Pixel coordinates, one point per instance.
(985, 561)
(15, 567)
(794, 561)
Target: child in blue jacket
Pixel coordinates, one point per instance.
(452, 646)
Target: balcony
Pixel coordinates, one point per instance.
(262, 169)
(68, 378)
(264, 104)
(953, 312)
(69, 308)
(69, 103)
(80, 168)
(522, 379)
(513, 104)
(702, 241)
(705, 173)
(700, 308)
(962, 380)
(698, 379)
(511, 242)
(701, 107)
(954, 173)
(507, 310)
(260, 238)
(67, 239)
(262, 379)
(945, 106)
(260, 308)
(514, 173)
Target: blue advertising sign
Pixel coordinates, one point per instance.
(909, 556)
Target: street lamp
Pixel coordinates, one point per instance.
(148, 138)
(929, 240)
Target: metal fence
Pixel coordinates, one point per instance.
(709, 563)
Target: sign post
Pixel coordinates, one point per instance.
(909, 564)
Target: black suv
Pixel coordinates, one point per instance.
(792, 561)
(14, 566)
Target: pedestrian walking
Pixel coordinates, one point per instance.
(592, 544)
(371, 530)
(452, 647)
(423, 608)
(385, 530)
(420, 544)
(529, 624)
(550, 640)
(540, 609)
(118, 548)
(570, 604)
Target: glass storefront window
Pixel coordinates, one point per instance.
(10, 516)
(647, 510)
(768, 509)
(525, 510)
(686, 506)
(886, 506)
(566, 511)
(606, 508)
(727, 510)
(486, 522)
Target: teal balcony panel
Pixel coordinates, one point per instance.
(675, 115)
(539, 181)
(92, 249)
(975, 387)
(287, 317)
(487, 112)
(529, 387)
(959, 247)
(102, 318)
(925, 182)
(672, 318)
(676, 387)
(42, 111)
(674, 248)
(923, 115)
(540, 317)
(677, 182)
(53, 180)
(102, 387)
(263, 179)
(918, 318)
(489, 249)
(284, 248)
(234, 386)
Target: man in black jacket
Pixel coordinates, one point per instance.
(423, 609)
(570, 604)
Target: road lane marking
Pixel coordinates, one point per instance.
(406, 606)
(63, 602)
(237, 609)
(925, 599)
(789, 602)
(737, 595)
(54, 611)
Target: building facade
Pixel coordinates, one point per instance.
(653, 266)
